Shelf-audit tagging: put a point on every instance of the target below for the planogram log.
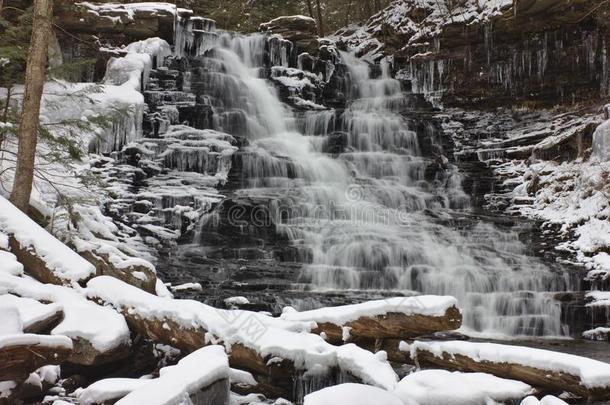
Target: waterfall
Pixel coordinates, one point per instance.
(349, 188)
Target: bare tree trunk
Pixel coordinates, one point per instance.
(320, 21)
(347, 12)
(34, 82)
(310, 9)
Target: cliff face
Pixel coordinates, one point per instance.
(533, 52)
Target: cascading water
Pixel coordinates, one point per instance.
(348, 188)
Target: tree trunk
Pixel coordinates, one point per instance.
(309, 9)
(347, 12)
(34, 82)
(320, 21)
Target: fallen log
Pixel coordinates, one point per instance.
(202, 376)
(21, 354)
(275, 350)
(44, 256)
(35, 316)
(540, 368)
(398, 318)
(99, 334)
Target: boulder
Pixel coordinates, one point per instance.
(295, 28)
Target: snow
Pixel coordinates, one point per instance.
(109, 389)
(547, 400)
(270, 337)
(187, 286)
(600, 333)
(399, 17)
(28, 339)
(131, 9)
(371, 368)
(600, 298)
(241, 377)
(194, 372)
(9, 264)
(49, 374)
(353, 394)
(429, 305)
(60, 259)
(572, 196)
(6, 388)
(157, 48)
(10, 321)
(83, 319)
(238, 300)
(30, 311)
(592, 373)
(441, 387)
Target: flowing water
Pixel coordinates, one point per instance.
(350, 191)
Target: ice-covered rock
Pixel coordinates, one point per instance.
(601, 141)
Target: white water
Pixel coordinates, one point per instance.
(362, 217)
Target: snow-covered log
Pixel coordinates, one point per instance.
(44, 256)
(540, 368)
(274, 350)
(202, 377)
(399, 317)
(35, 317)
(21, 354)
(99, 334)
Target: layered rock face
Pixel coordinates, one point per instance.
(534, 52)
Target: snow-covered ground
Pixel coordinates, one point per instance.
(418, 21)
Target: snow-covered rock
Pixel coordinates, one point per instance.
(600, 333)
(601, 141)
(354, 394)
(546, 400)
(110, 389)
(441, 387)
(206, 369)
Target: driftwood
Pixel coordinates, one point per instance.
(18, 360)
(540, 378)
(392, 325)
